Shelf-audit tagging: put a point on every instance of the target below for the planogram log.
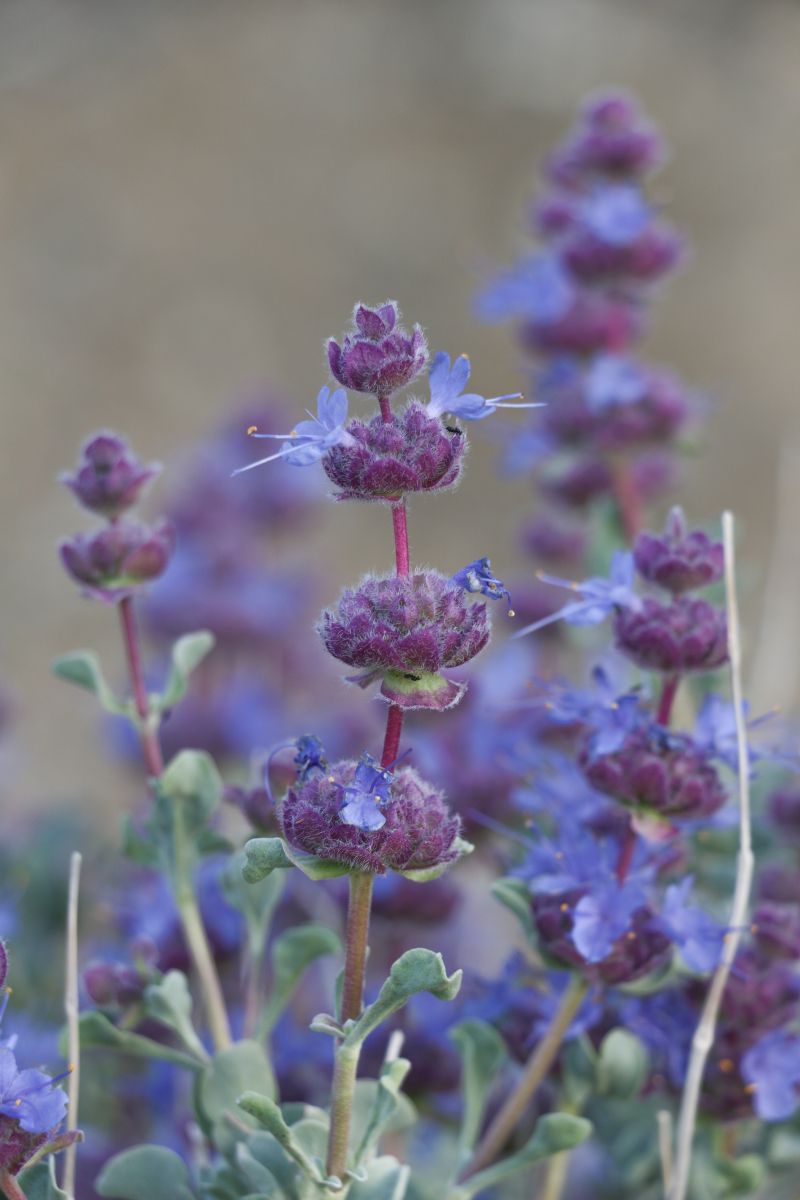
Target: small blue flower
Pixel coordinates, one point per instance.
(612, 380)
(695, 932)
(772, 1067)
(310, 756)
(599, 597)
(603, 915)
(29, 1096)
(310, 440)
(537, 287)
(366, 795)
(477, 577)
(617, 215)
(715, 732)
(610, 716)
(447, 392)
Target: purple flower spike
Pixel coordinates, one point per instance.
(678, 560)
(687, 635)
(406, 629)
(382, 460)
(612, 139)
(772, 1069)
(598, 597)
(119, 559)
(310, 440)
(378, 356)
(109, 478)
(417, 832)
(447, 392)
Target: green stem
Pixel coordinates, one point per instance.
(344, 1088)
(344, 1075)
(555, 1176)
(194, 931)
(540, 1062)
(10, 1187)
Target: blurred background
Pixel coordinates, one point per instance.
(194, 194)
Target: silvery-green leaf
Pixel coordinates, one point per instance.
(267, 1113)
(622, 1065)
(315, 868)
(255, 901)
(243, 1067)
(380, 1107)
(514, 895)
(386, 1179)
(553, 1133)
(415, 971)
(262, 857)
(187, 654)
(96, 1031)
(170, 1002)
(292, 953)
(483, 1055)
(39, 1182)
(145, 1173)
(192, 780)
(82, 667)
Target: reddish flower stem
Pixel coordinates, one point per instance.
(391, 741)
(358, 913)
(400, 529)
(10, 1188)
(149, 737)
(668, 691)
(626, 855)
(629, 502)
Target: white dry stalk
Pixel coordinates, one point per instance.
(71, 1010)
(703, 1038)
(664, 1119)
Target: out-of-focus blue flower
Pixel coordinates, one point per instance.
(310, 440)
(617, 214)
(30, 1096)
(665, 1021)
(715, 732)
(772, 1068)
(366, 795)
(610, 715)
(695, 932)
(525, 450)
(477, 577)
(560, 786)
(448, 396)
(604, 915)
(310, 756)
(599, 596)
(613, 380)
(537, 287)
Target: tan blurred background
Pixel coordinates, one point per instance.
(193, 195)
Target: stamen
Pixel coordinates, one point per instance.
(726, 1065)
(251, 429)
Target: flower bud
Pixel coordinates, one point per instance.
(377, 356)
(687, 635)
(411, 452)
(658, 776)
(418, 832)
(116, 560)
(678, 560)
(109, 478)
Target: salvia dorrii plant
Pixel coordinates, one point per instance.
(639, 1002)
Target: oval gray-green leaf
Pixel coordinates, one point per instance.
(145, 1173)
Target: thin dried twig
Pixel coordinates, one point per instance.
(71, 1010)
(704, 1034)
(664, 1118)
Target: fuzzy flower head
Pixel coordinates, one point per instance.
(687, 635)
(679, 560)
(370, 819)
(109, 478)
(311, 439)
(119, 559)
(378, 355)
(611, 140)
(658, 775)
(406, 629)
(448, 396)
(381, 459)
